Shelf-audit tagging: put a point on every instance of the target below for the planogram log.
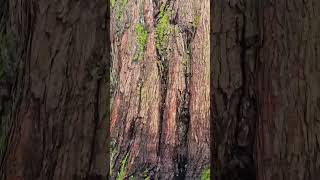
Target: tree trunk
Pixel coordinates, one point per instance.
(161, 89)
(57, 126)
(288, 89)
(266, 82)
(234, 111)
(6, 73)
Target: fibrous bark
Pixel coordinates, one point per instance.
(288, 91)
(234, 111)
(160, 101)
(58, 125)
(265, 69)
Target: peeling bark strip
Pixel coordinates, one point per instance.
(160, 110)
(58, 119)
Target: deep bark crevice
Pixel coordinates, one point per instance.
(166, 140)
(234, 106)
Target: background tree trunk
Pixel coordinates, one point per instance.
(265, 65)
(57, 126)
(234, 111)
(7, 60)
(160, 109)
(288, 89)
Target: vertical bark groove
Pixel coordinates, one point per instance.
(265, 89)
(174, 64)
(234, 51)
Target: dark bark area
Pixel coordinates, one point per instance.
(288, 87)
(161, 100)
(234, 111)
(58, 124)
(7, 69)
(265, 71)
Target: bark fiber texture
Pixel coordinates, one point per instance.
(265, 89)
(288, 91)
(160, 109)
(58, 126)
(234, 111)
(262, 77)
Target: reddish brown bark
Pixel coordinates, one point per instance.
(161, 101)
(266, 89)
(58, 121)
(288, 90)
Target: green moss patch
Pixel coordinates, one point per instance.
(122, 6)
(196, 21)
(122, 172)
(162, 30)
(205, 175)
(142, 36)
(112, 3)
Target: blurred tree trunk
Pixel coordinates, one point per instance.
(6, 72)
(288, 91)
(57, 126)
(234, 111)
(160, 109)
(265, 69)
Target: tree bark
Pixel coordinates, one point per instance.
(58, 126)
(265, 69)
(234, 111)
(288, 91)
(160, 99)
(6, 75)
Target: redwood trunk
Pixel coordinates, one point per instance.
(265, 69)
(234, 111)
(160, 109)
(58, 125)
(288, 91)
